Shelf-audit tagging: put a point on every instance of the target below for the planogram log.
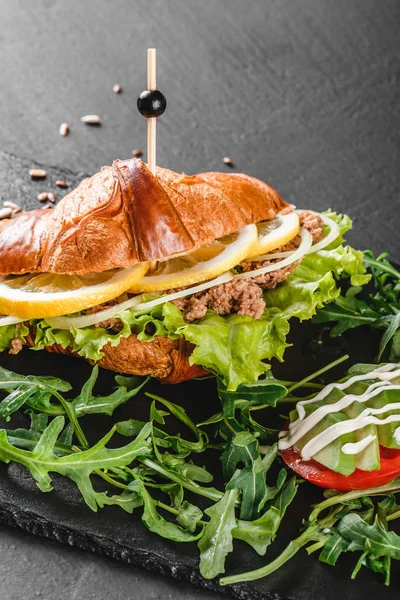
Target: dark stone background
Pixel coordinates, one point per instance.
(302, 94)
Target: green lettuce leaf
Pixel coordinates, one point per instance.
(10, 333)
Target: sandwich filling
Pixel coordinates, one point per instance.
(234, 323)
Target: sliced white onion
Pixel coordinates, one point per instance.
(328, 239)
(334, 232)
(133, 303)
(263, 257)
(4, 321)
(305, 245)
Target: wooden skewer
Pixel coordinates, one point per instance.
(151, 122)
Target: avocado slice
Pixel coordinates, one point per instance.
(331, 456)
(386, 432)
(369, 458)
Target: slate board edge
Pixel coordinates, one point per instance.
(12, 516)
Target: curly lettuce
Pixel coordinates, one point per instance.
(234, 347)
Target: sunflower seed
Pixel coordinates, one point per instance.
(91, 119)
(5, 213)
(228, 161)
(64, 129)
(16, 211)
(51, 197)
(43, 196)
(61, 184)
(37, 173)
(137, 152)
(48, 205)
(9, 204)
(117, 88)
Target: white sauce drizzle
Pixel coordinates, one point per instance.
(396, 436)
(356, 447)
(303, 424)
(379, 373)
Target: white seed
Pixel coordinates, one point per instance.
(43, 196)
(91, 119)
(228, 161)
(37, 173)
(10, 204)
(61, 183)
(117, 88)
(51, 197)
(64, 129)
(5, 213)
(16, 211)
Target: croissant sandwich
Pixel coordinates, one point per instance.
(171, 276)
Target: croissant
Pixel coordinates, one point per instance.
(124, 215)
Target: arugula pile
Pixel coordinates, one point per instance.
(161, 474)
(351, 522)
(378, 308)
(155, 472)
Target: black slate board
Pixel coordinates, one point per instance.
(62, 515)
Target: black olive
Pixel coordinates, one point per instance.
(151, 103)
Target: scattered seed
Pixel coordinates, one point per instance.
(43, 196)
(48, 205)
(37, 173)
(5, 213)
(16, 211)
(9, 204)
(228, 161)
(64, 129)
(117, 88)
(51, 197)
(91, 119)
(138, 152)
(61, 183)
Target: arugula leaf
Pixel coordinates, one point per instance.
(393, 328)
(42, 460)
(333, 548)
(189, 515)
(259, 534)
(35, 391)
(216, 541)
(262, 392)
(155, 522)
(86, 403)
(379, 308)
(128, 500)
(251, 479)
(374, 539)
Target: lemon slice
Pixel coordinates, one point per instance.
(275, 233)
(37, 295)
(205, 263)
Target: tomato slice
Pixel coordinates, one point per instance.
(315, 473)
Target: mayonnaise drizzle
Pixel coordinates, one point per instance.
(356, 447)
(303, 424)
(338, 429)
(396, 436)
(379, 373)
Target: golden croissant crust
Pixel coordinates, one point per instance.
(124, 215)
